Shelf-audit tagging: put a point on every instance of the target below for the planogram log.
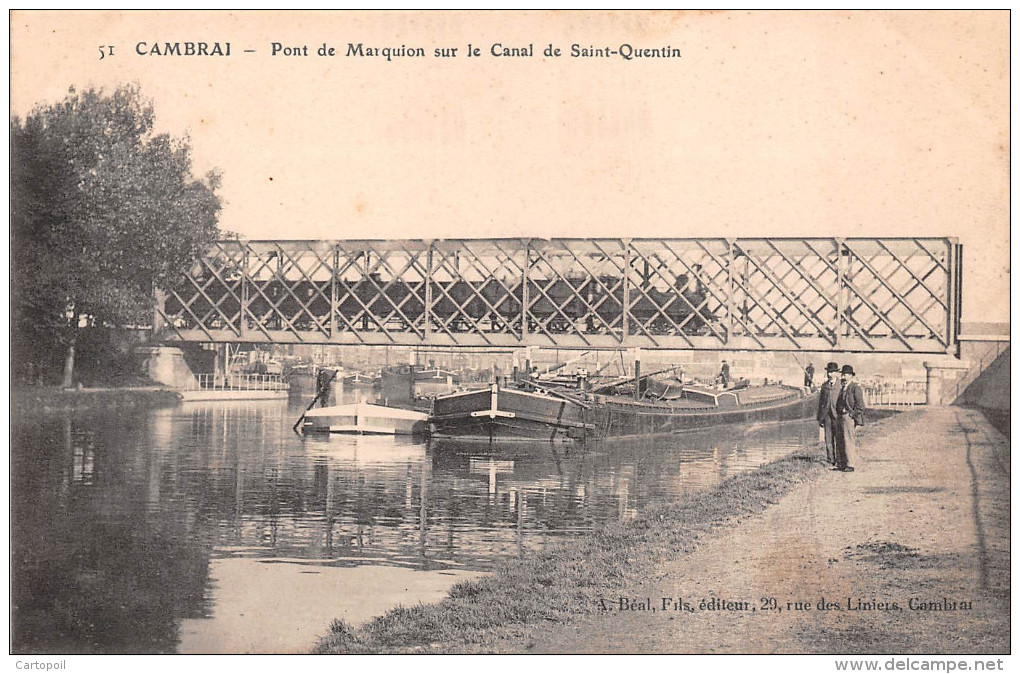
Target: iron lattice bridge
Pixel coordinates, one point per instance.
(768, 294)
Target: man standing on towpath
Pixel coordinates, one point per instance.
(850, 408)
(828, 420)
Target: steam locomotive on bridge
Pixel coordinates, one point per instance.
(873, 295)
(586, 304)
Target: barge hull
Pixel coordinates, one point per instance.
(613, 422)
(507, 415)
(365, 419)
(510, 415)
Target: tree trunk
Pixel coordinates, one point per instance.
(69, 359)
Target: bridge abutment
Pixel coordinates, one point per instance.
(166, 365)
(942, 375)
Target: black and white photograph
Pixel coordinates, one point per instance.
(509, 332)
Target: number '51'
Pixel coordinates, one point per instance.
(104, 51)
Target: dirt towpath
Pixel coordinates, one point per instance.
(908, 554)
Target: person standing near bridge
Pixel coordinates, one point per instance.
(827, 417)
(323, 381)
(850, 409)
(809, 375)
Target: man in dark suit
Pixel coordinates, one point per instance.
(850, 410)
(827, 417)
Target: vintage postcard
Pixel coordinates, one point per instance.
(500, 332)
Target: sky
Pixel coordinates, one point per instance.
(826, 124)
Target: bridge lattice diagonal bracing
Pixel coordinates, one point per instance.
(767, 294)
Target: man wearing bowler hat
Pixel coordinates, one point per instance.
(850, 411)
(827, 417)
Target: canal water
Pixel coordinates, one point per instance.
(212, 527)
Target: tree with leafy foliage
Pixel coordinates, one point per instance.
(103, 210)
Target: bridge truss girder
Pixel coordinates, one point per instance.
(769, 294)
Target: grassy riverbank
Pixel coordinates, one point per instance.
(30, 399)
(570, 579)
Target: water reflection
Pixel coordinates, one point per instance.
(198, 528)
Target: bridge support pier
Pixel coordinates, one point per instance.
(166, 365)
(941, 375)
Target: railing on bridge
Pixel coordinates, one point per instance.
(820, 294)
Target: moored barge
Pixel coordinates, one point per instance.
(511, 413)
